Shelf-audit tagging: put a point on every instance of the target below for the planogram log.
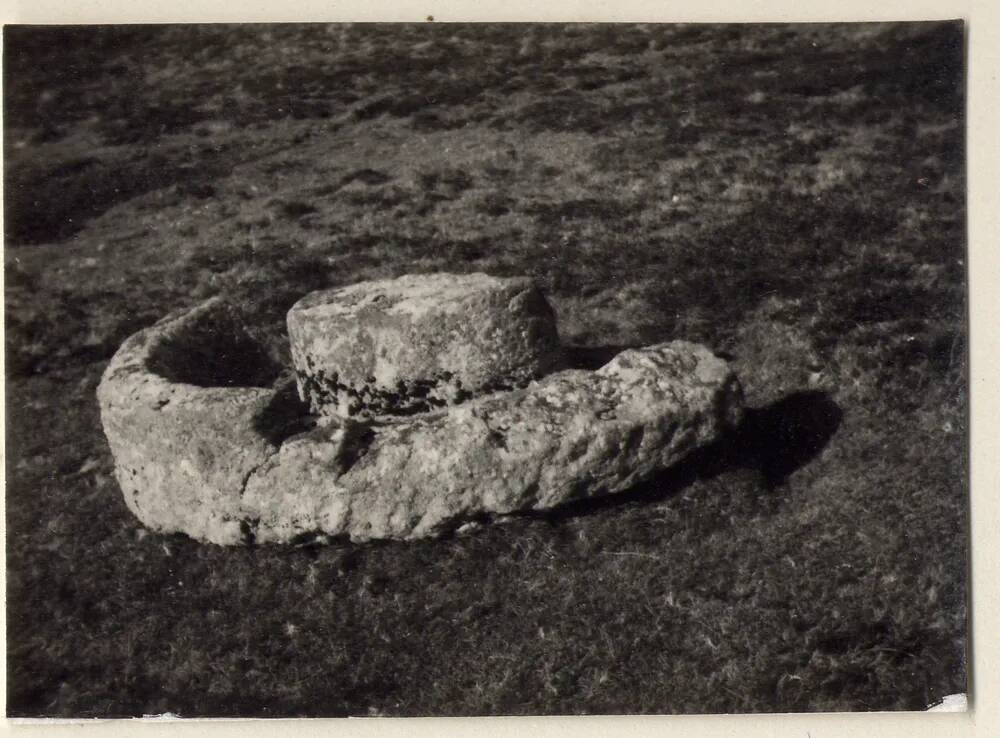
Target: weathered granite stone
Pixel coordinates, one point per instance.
(183, 451)
(572, 435)
(199, 454)
(419, 342)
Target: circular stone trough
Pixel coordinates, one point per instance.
(211, 440)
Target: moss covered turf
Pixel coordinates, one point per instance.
(792, 196)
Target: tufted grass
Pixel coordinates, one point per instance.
(792, 196)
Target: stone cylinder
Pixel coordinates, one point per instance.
(419, 342)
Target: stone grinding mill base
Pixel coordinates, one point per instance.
(432, 400)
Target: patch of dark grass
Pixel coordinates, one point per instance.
(391, 105)
(553, 214)
(382, 198)
(129, 121)
(428, 121)
(459, 252)
(563, 111)
(370, 177)
(737, 265)
(645, 153)
(46, 202)
(296, 209)
(595, 77)
(494, 204)
(46, 330)
(449, 182)
(62, 93)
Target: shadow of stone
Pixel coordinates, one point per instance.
(589, 357)
(214, 350)
(285, 415)
(775, 441)
(787, 434)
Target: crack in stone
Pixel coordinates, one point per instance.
(256, 468)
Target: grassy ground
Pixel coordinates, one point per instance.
(793, 196)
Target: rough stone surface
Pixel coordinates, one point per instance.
(572, 435)
(419, 342)
(183, 451)
(231, 464)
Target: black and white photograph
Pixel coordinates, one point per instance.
(485, 369)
